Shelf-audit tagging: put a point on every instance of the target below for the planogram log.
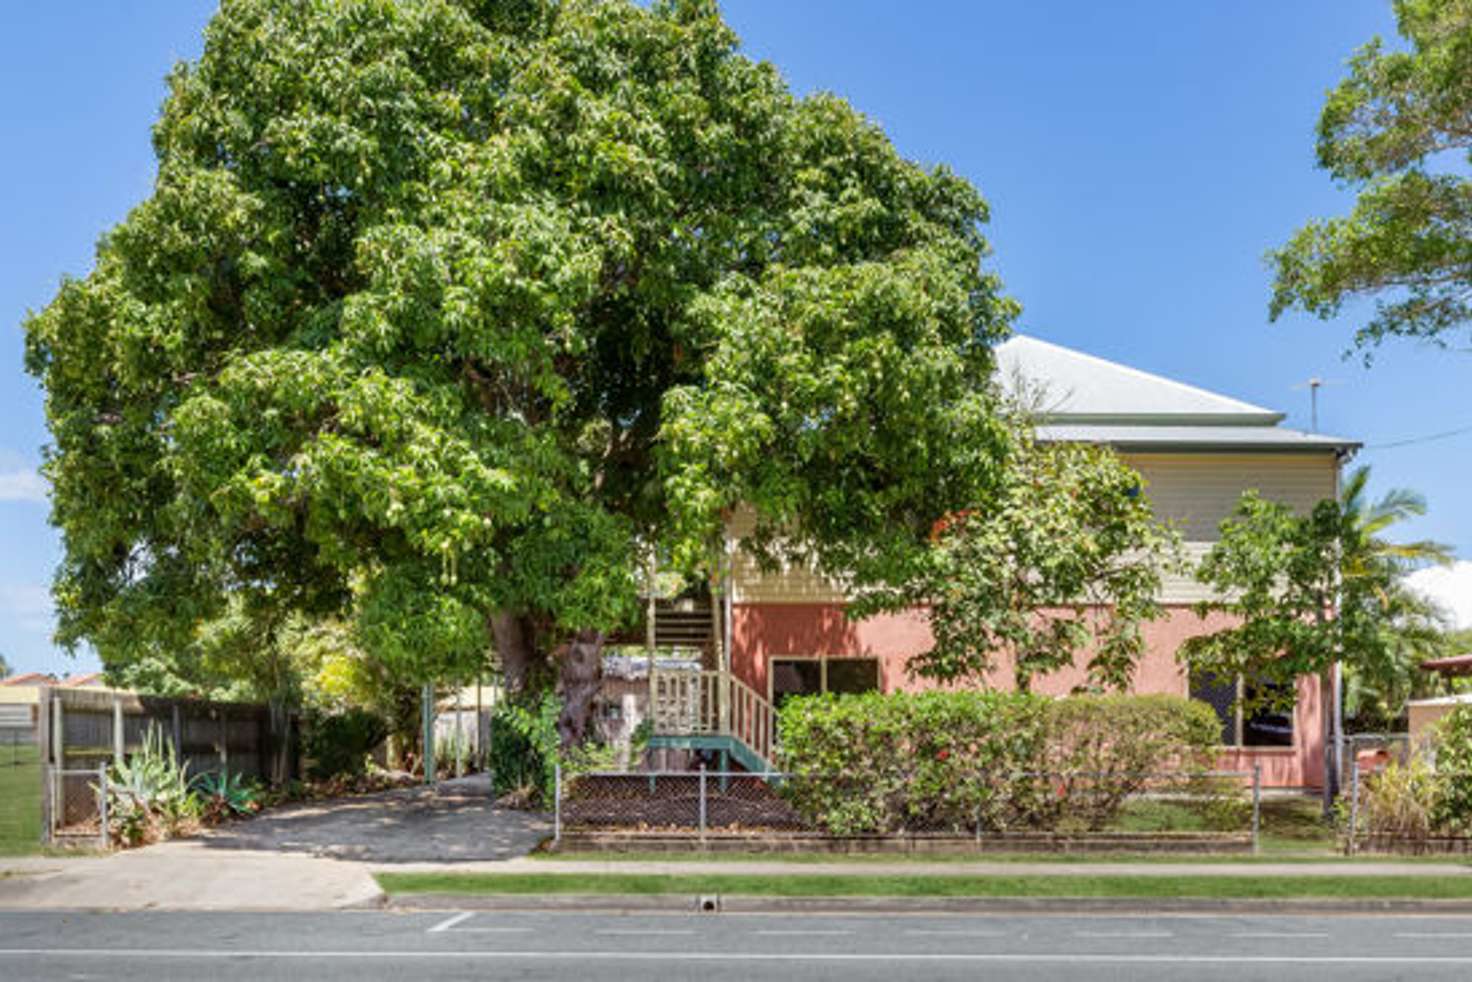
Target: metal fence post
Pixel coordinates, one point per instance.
(557, 802)
(118, 745)
(1256, 806)
(102, 805)
(702, 803)
(1354, 805)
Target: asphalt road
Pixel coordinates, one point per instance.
(432, 945)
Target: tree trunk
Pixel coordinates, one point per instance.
(581, 676)
(516, 649)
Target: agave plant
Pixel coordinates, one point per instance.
(149, 788)
(222, 795)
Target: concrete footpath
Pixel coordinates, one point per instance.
(186, 875)
(193, 876)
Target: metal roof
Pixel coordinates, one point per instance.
(1455, 665)
(1079, 397)
(1192, 437)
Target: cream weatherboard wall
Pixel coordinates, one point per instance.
(1192, 491)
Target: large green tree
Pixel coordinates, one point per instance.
(440, 308)
(1398, 128)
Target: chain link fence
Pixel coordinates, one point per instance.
(79, 804)
(703, 803)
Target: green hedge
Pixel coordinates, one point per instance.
(882, 763)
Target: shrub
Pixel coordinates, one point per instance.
(1453, 746)
(524, 748)
(223, 795)
(880, 763)
(148, 793)
(340, 742)
(1402, 801)
(1103, 749)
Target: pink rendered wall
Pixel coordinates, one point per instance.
(763, 631)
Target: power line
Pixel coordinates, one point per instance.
(1419, 439)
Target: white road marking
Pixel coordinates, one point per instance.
(737, 956)
(1432, 935)
(451, 921)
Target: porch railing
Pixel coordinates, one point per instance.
(711, 703)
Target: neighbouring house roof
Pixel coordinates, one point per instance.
(1083, 398)
(29, 678)
(92, 680)
(637, 666)
(1455, 665)
(1459, 699)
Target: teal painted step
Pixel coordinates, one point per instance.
(736, 749)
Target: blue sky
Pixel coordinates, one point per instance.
(1139, 158)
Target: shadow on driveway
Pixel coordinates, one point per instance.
(454, 820)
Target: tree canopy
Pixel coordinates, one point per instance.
(439, 308)
(1386, 129)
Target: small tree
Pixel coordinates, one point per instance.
(1068, 558)
(1307, 591)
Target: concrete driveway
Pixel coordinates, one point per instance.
(454, 821)
(317, 856)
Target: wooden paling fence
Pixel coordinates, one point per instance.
(81, 730)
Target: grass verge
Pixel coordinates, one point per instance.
(854, 885)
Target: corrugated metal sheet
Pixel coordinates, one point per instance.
(1194, 437)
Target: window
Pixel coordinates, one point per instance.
(809, 676)
(1268, 725)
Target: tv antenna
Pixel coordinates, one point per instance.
(1313, 385)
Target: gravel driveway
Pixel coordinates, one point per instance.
(454, 820)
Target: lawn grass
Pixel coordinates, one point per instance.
(20, 799)
(858, 885)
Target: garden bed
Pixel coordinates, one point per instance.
(720, 840)
(1447, 845)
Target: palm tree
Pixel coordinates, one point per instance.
(1411, 628)
(1370, 520)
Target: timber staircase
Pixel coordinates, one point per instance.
(706, 710)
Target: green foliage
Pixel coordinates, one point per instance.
(1312, 589)
(1067, 558)
(148, 793)
(1402, 800)
(525, 746)
(933, 760)
(437, 309)
(340, 742)
(222, 795)
(1428, 795)
(1408, 240)
(1453, 743)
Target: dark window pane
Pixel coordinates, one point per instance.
(1271, 725)
(853, 675)
(1219, 692)
(795, 677)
